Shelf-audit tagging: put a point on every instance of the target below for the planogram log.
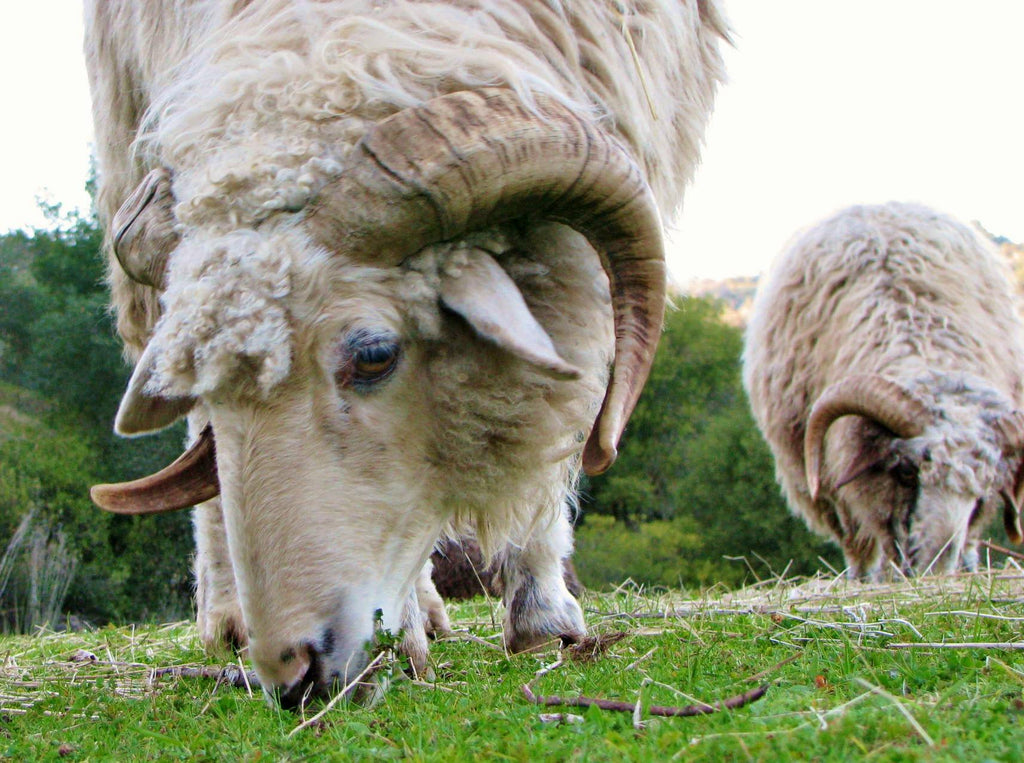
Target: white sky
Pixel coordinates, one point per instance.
(831, 102)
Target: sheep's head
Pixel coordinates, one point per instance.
(369, 367)
(914, 473)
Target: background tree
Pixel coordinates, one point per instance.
(61, 377)
(693, 495)
(694, 377)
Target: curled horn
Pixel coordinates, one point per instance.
(473, 159)
(869, 395)
(144, 230)
(190, 480)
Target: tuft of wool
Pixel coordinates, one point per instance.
(225, 312)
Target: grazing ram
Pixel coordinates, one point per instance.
(383, 255)
(885, 367)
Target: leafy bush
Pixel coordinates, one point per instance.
(64, 375)
(695, 375)
(653, 553)
(730, 490)
(128, 567)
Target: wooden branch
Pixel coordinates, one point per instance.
(1001, 550)
(231, 675)
(661, 710)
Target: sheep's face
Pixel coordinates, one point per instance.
(917, 505)
(329, 499)
(397, 403)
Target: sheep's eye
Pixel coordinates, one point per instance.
(369, 362)
(375, 362)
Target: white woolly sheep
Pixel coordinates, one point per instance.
(885, 367)
(375, 251)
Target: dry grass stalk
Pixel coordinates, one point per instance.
(372, 666)
(899, 706)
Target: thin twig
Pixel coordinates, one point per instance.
(1012, 672)
(660, 710)
(638, 660)
(245, 677)
(230, 674)
(1001, 550)
(476, 640)
(373, 665)
(429, 685)
(768, 671)
(986, 615)
(544, 670)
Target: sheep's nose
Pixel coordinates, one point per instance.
(298, 678)
(309, 672)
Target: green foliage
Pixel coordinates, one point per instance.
(730, 491)
(128, 567)
(63, 375)
(695, 375)
(692, 464)
(19, 301)
(653, 553)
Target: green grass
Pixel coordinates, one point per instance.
(840, 685)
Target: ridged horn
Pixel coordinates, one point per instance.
(189, 480)
(144, 230)
(869, 395)
(469, 160)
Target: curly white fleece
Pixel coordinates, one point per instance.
(255, 105)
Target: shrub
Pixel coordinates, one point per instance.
(655, 553)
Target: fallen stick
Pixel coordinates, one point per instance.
(661, 710)
(1001, 550)
(231, 674)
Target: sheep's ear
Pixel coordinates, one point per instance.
(484, 294)
(140, 411)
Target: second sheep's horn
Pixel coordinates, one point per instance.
(869, 395)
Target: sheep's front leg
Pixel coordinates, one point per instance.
(538, 605)
(218, 613)
(423, 615)
(430, 604)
